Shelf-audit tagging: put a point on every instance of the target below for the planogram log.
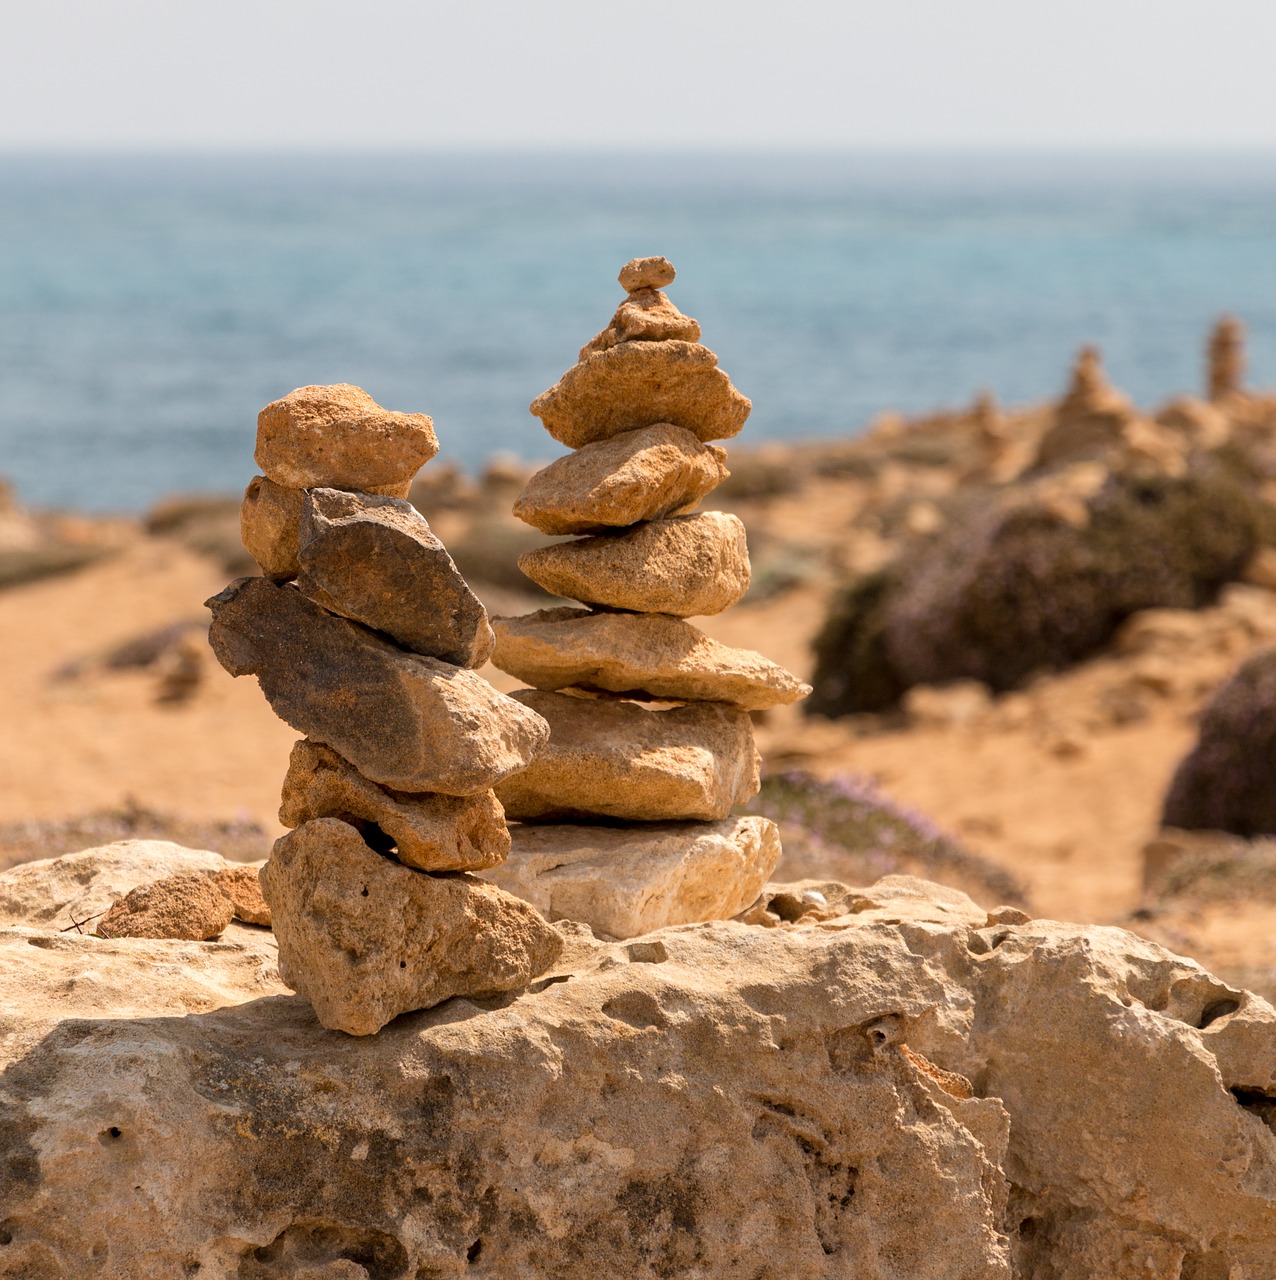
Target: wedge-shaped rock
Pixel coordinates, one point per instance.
(365, 939)
(431, 832)
(637, 475)
(623, 881)
(406, 721)
(638, 384)
(339, 436)
(270, 524)
(640, 655)
(686, 566)
(375, 560)
(615, 759)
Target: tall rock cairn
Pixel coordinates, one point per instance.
(638, 410)
(363, 636)
(1225, 360)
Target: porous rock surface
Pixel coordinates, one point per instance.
(625, 881)
(417, 940)
(648, 655)
(619, 760)
(340, 436)
(904, 1090)
(432, 832)
(374, 560)
(638, 384)
(638, 475)
(402, 719)
(188, 905)
(688, 566)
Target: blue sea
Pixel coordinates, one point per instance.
(149, 306)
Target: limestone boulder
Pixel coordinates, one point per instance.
(895, 1091)
(430, 832)
(375, 560)
(403, 720)
(637, 475)
(364, 938)
(687, 566)
(638, 384)
(340, 437)
(187, 906)
(644, 655)
(626, 881)
(613, 759)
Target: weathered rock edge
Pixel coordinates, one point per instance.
(711, 1100)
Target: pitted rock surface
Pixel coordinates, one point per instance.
(714, 1099)
(365, 938)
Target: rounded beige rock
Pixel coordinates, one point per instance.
(688, 566)
(646, 315)
(638, 475)
(613, 759)
(646, 273)
(648, 655)
(339, 437)
(431, 832)
(637, 384)
(242, 886)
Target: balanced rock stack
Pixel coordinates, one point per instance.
(363, 636)
(638, 410)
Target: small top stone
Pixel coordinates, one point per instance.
(646, 273)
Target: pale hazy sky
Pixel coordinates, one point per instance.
(587, 73)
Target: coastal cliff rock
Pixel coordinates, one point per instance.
(912, 1087)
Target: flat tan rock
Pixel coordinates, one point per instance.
(365, 939)
(643, 655)
(638, 475)
(188, 906)
(340, 437)
(637, 384)
(625, 881)
(402, 719)
(688, 566)
(430, 832)
(613, 759)
(646, 273)
(242, 886)
(374, 560)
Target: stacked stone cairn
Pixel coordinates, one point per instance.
(625, 817)
(364, 637)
